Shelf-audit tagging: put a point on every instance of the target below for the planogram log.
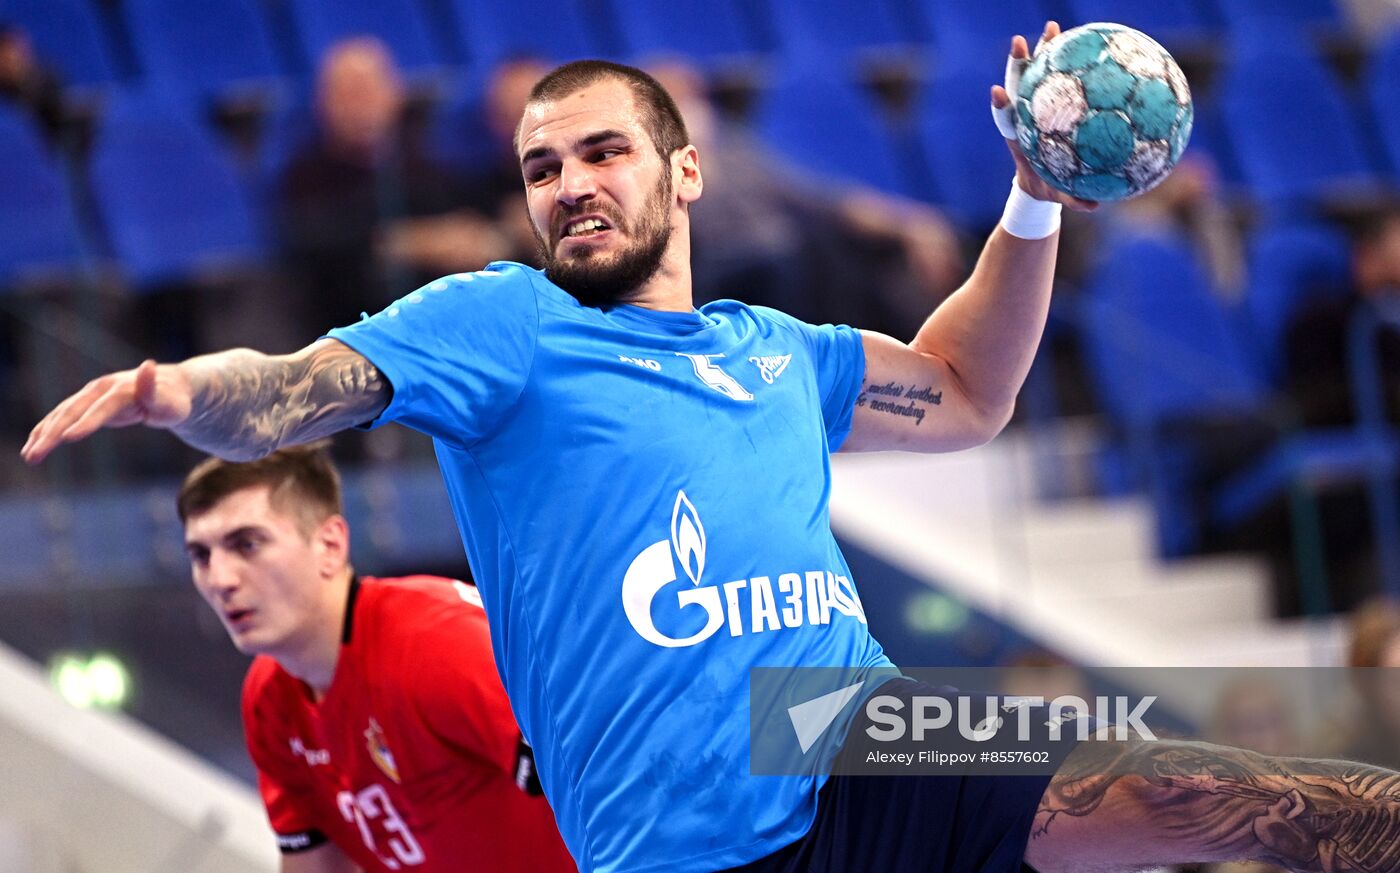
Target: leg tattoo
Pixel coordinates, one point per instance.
(1216, 803)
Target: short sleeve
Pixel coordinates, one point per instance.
(838, 358)
(288, 799)
(456, 351)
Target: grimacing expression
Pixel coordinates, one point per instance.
(599, 195)
(259, 570)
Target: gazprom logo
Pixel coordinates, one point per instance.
(688, 538)
(752, 605)
(655, 568)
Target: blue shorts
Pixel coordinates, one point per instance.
(903, 824)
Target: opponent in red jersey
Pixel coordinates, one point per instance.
(373, 710)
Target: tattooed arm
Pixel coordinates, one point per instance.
(237, 404)
(972, 354)
(976, 348)
(1120, 805)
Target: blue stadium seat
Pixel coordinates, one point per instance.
(825, 125)
(398, 23)
(1382, 79)
(1162, 351)
(459, 135)
(976, 35)
(556, 30)
(813, 31)
(1290, 267)
(171, 201)
(68, 36)
(1248, 14)
(968, 167)
(1291, 125)
(208, 50)
(39, 233)
(1170, 22)
(715, 31)
(1160, 343)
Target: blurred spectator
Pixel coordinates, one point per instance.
(1375, 658)
(1372, 20)
(1317, 374)
(1254, 713)
(1039, 673)
(364, 215)
(765, 235)
(24, 82)
(496, 189)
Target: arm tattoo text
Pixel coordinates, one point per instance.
(894, 398)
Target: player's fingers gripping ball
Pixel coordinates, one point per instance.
(1102, 112)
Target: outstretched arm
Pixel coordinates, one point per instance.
(1124, 805)
(239, 404)
(974, 351)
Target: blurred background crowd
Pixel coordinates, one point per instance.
(181, 177)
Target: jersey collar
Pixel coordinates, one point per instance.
(351, 596)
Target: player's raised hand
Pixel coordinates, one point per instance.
(153, 395)
(1026, 176)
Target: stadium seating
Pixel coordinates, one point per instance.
(1171, 22)
(824, 124)
(716, 32)
(1162, 352)
(39, 234)
(220, 51)
(1244, 14)
(68, 35)
(400, 24)
(1290, 266)
(171, 200)
(1294, 132)
(967, 166)
(975, 35)
(557, 30)
(1382, 92)
(459, 135)
(816, 33)
(1165, 358)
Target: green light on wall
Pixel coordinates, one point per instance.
(929, 612)
(101, 681)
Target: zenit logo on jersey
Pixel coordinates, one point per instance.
(770, 367)
(756, 605)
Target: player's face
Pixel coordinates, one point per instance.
(600, 197)
(263, 576)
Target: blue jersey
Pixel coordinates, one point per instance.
(643, 498)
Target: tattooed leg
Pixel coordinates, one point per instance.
(1124, 805)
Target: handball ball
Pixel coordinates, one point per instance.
(1103, 112)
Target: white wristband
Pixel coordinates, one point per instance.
(1027, 217)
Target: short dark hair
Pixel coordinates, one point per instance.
(300, 479)
(659, 111)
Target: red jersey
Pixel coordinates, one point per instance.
(412, 759)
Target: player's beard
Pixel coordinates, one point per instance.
(600, 278)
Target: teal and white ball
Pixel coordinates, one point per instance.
(1103, 112)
